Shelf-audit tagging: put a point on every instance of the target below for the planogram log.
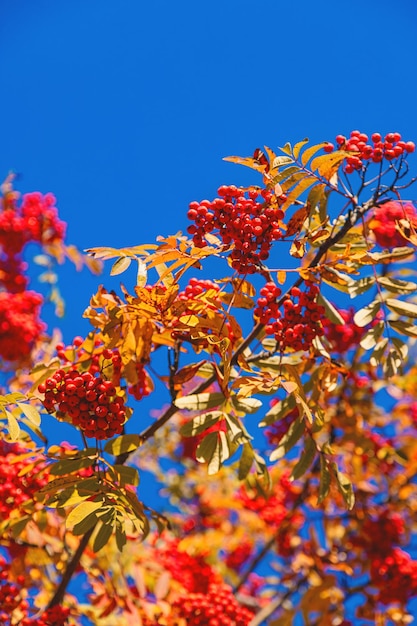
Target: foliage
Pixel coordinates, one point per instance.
(286, 450)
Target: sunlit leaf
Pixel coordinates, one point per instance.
(298, 146)
(246, 405)
(403, 328)
(13, 425)
(357, 287)
(127, 475)
(81, 512)
(402, 308)
(120, 265)
(305, 460)
(200, 401)
(142, 273)
(365, 316)
(328, 164)
(31, 413)
(123, 444)
(397, 286)
(310, 152)
(200, 423)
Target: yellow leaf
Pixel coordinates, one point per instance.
(298, 190)
(120, 265)
(298, 146)
(281, 276)
(307, 154)
(327, 164)
(14, 428)
(142, 273)
(81, 511)
(31, 413)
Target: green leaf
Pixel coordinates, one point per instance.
(199, 401)
(200, 423)
(68, 466)
(305, 460)
(123, 444)
(18, 527)
(288, 441)
(85, 524)
(331, 312)
(325, 479)
(207, 448)
(30, 412)
(120, 265)
(245, 461)
(127, 475)
(102, 537)
(345, 487)
(120, 537)
(82, 511)
(365, 316)
(402, 308)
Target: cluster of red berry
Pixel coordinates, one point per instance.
(392, 570)
(10, 595)
(342, 337)
(196, 287)
(389, 147)
(395, 575)
(14, 608)
(192, 571)
(143, 387)
(218, 607)
(236, 559)
(300, 322)
(242, 222)
(17, 486)
(55, 616)
(20, 325)
(34, 219)
(385, 220)
(88, 400)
